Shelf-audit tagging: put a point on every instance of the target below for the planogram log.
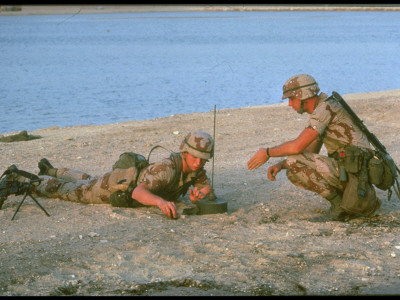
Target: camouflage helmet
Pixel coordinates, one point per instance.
(302, 86)
(199, 144)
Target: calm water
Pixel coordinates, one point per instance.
(65, 70)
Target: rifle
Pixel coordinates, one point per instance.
(380, 149)
(11, 187)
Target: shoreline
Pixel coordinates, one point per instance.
(352, 96)
(21, 10)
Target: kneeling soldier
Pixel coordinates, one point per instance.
(331, 126)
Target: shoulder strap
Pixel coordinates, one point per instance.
(176, 158)
(155, 147)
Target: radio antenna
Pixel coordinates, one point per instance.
(211, 204)
(212, 173)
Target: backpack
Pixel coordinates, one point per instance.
(130, 159)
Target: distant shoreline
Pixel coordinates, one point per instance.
(372, 96)
(19, 10)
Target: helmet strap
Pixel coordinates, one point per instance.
(187, 165)
(301, 109)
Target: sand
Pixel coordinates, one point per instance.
(264, 245)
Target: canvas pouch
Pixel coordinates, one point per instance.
(353, 204)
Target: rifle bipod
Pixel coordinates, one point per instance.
(9, 185)
(28, 193)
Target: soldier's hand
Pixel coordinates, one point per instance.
(195, 194)
(258, 159)
(168, 208)
(272, 171)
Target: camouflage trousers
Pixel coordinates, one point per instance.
(314, 172)
(72, 175)
(77, 186)
(73, 185)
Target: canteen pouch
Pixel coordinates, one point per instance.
(387, 177)
(375, 171)
(352, 204)
(124, 199)
(352, 159)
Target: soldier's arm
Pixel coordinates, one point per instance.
(143, 195)
(305, 140)
(315, 146)
(296, 146)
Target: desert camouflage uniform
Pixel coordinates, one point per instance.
(159, 177)
(77, 186)
(319, 173)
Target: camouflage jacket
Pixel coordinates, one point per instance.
(166, 179)
(334, 125)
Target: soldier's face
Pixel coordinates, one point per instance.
(194, 163)
(295, 103)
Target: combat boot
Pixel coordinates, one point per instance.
(335, 212)
(46, 168)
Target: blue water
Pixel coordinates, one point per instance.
(65, 70)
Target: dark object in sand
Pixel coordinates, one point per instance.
(22, 136)
(211, 205)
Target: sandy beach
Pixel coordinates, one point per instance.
(264, 245)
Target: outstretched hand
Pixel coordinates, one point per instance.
(195, 194)
(258, 159)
